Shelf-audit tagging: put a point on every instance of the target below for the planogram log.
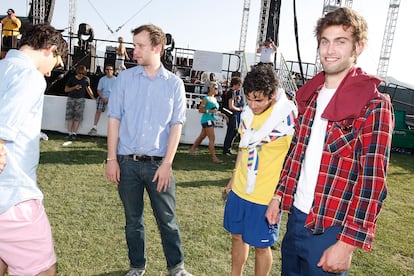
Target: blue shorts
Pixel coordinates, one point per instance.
(248, 219)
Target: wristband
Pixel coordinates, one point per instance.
(277, 197)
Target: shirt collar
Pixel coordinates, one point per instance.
(162, 72)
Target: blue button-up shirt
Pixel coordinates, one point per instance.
(21, 107)
(147, 108)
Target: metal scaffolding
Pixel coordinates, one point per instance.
(39, 11)
(243, 35)
(388, 39)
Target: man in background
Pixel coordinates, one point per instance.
(266, 129)
(11, 26)
(267, 51)
(104, 90)
(232, 106)
(26, 245)
(77, 87)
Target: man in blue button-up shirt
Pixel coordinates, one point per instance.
(26, 245)
(146, 113)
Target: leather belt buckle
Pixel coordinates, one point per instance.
(136, 157)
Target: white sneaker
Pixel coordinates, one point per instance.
(135, 272)
(179, 271)
(92, 132)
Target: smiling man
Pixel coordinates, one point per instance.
(266, 128)
(333, 180)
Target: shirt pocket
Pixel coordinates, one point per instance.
(341, 140)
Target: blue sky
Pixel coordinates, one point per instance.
(215, 25)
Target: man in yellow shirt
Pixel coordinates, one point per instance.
(266, 129)
(11, 26)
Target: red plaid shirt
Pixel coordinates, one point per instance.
(351, 184)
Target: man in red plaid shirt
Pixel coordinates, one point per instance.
(333, 180)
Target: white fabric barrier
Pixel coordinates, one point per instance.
(54, 119)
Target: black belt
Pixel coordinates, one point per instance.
(136, 157)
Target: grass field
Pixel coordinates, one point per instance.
(88, 222)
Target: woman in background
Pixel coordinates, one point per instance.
(209, 109)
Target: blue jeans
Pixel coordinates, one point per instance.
(135, 176)
(230, 133)
(301, 249)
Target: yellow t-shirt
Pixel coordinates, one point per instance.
(271, 158)
(11, 27)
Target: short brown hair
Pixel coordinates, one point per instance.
(346, 17)
(42, 36)
(157, 36)
(81, 69)
(235, 81)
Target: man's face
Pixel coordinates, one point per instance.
(109, 71)
(338, 51)
(52, 60)
(144, 53)
(258, 102)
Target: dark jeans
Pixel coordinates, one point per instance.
(135, 176)
(230, 133)
(301, 249)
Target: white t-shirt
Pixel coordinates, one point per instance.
(310, 168)
(267, 54)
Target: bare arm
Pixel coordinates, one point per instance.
(202, 107)
(273, 45)
(232, 106)
(17, 22)
(126, 54)
(164, 172)
(72, 88)
(273, 211)
(230, 184)
(90, 92)
(99, 92)
(112, 168)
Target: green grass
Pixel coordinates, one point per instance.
(88, 222)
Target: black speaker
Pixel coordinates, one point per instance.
(84, 57)
(110, 58)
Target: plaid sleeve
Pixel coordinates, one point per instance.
(370, 189)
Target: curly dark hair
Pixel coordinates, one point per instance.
(42, 36)
(261, 79)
